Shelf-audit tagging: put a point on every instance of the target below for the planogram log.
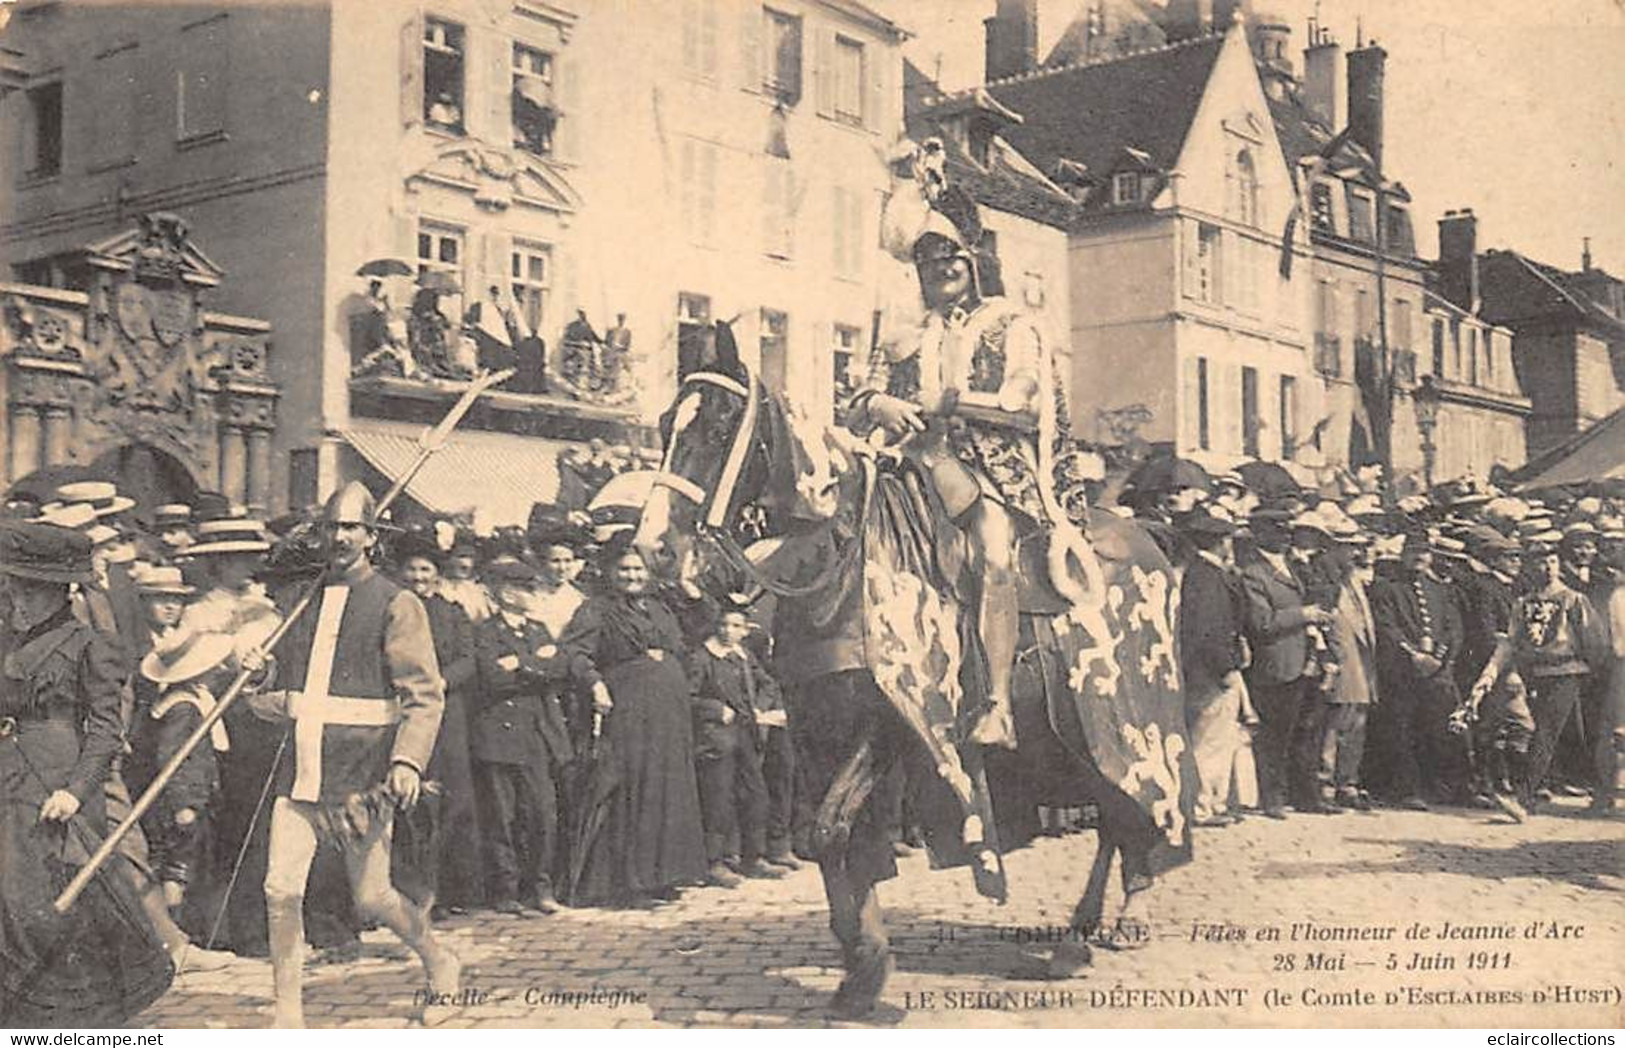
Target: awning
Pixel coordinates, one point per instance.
(1593, 454)
(500, 475)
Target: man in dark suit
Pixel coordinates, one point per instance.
(1419, 638)
(1212, 616)
(1278, 621)
(520, 744)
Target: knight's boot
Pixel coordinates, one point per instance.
(998, 621)
(285, 927)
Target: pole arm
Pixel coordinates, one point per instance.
(431, 441)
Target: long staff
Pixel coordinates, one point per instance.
(430, 442)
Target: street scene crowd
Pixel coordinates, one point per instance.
(1451, 650)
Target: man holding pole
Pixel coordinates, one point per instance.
(364, 718)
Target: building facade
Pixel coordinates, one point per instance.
(409, 191)
(1188, 329)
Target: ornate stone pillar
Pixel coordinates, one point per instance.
(58, 434)
(259, 470)
(233, 464)
(24, 437)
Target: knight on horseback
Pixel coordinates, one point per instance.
(972, 398)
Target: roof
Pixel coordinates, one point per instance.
(1008, 182)
(863, 12)
(1517, 287)
(1121, 17)
(1091, 113)
(1595, 453)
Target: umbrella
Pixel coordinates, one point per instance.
(438, 280)
(1166, 474)
(386, 267)
(595, 785)
(1269, 480)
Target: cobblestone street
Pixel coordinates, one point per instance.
(761, 955)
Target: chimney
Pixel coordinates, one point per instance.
(1585, 255)
(1272, 40)
(1012, 39)
(1325, 89)
(1365, 98)
(1458, 258)
(1188, 18)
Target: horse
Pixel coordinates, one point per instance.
(881, 675)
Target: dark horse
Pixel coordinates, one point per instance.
(882, 678)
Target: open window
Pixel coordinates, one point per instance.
(444, 75)
(535, 107)
(42, 145)
(782, 77)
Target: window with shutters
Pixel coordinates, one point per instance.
(848, 238)
(1206, 273)
(1404, 318)
(1438, 347)
(1472, 355)
(531, 272)
(698, 181)
(42, 142)
(1204, 425)
(1456, 369)
(1361, 221)
(534, 110)
(444, 75)
(778, 208)
(1289, 417)
(849, 80)
(700, 39)
(693, 332)
(843, 352)
(782, 77)
(1365, 324)
(113, 120)
(200, 81)
(1250, 422)
(775, 346)
(1246, 203)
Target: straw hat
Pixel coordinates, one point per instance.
(165, 580)
(101, 496)
(231, 535)
(198, 653)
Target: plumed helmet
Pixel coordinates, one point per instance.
(351, 504)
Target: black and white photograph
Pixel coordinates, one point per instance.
(837, 514)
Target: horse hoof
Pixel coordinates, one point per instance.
(1069, 960)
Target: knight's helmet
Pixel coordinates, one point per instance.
(925, 218)
(351, 504)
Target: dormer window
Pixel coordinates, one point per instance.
(1126, 187)
(1320, 207)
(979, 142)
(443, 75)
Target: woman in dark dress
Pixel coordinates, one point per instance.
(60, 728)
(459, 874)
(628, 649)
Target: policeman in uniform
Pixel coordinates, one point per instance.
(365, 702)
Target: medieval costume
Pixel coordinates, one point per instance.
(365, 710)
(60, 730)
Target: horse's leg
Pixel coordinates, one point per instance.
(1073, 955)
(855, 918)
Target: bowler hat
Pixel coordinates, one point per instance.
(1200, 521)
(44, 552)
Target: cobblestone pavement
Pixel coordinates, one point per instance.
(761, 955)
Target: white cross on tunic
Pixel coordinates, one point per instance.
(313, 708)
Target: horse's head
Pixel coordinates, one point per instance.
(729, 443)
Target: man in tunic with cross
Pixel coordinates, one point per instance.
(364, 697)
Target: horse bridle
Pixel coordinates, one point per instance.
(713, 524)
(716, 509)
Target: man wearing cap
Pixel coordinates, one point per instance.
(1555, 642)
(520, 743)
(1279, 614)
(1501, 725)
(1212, 616)
(61, 728)
(365, 701)
(1419, 638)
(1587, 573)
